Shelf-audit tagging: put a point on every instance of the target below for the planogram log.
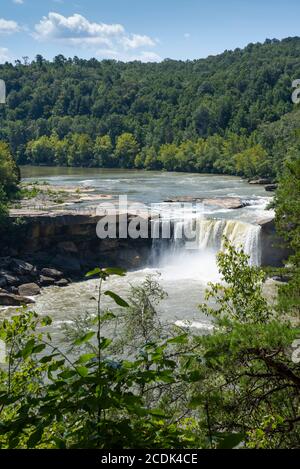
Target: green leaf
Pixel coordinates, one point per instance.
(117, 299)
(46, 321)
(27, 350)
(105, 343)
(48, 358)
(35, 437)
(180, 339)
(86, 357)
(107, 316)
(93, 272)
(84, 338)
(38, 348)
(67, 374)
(195, 402)
(231, 441)
(61, 444)
(115, 271)
(82, 370)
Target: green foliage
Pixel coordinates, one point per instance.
(103, 151)
(252, 162)
(9, 178)
(49, 400)
(126, 150)
(287, 204)
(89, 113)
(175, 389)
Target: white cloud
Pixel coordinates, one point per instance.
(136, 40)
(56, 26)
(8, 26)
(4, 55)
(77, 31)
(18, 2)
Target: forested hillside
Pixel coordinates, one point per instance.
(204, 115)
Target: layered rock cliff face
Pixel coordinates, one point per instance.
(68, 241)
(273, 249)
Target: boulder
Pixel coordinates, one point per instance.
(20, 267)
(29, 289)
(8, 299)
(62, 282)
(53, 273)
(271, 187)
(11, 280)
(3, 282)
(46, 281)
(281, 278)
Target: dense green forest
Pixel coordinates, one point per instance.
(221, 114)
(9, 178)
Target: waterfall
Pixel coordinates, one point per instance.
(206, 236)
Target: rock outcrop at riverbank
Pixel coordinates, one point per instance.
(273, 249)
(20, 280)
(68, 241)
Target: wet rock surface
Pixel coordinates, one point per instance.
(21, 279)
(29, 289)
(271, 187)
(10, 299)
(221, 202)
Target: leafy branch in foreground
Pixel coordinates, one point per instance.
(159, 386)
(47, 400)
(249, 381)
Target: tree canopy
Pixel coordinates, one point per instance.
(210, 109)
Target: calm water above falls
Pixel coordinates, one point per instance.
(184, 272)
(148, 186)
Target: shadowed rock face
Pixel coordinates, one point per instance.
(273, 249)
(67, 241)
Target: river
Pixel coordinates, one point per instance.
(183, 273)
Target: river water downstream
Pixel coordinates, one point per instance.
(184, 273)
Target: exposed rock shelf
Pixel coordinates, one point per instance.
(220, 202)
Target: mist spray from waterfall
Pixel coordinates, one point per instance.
(184, 258)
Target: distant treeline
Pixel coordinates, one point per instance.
(215, 114)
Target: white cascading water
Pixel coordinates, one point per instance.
(186, 257)
(240, 234)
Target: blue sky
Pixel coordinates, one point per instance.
(148, 30)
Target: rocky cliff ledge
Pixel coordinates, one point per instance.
(56, 247)
(67, 240)
(273, 249)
